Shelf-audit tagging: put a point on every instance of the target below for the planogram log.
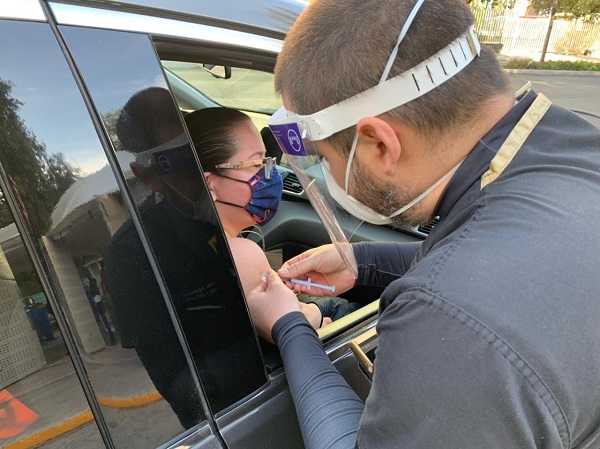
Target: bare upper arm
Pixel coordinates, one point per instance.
(250, 262)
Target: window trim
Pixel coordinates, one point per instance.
(22, 10)
(156, 26)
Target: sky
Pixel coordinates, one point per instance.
(52, 107)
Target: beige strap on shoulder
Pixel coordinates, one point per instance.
(515, 139)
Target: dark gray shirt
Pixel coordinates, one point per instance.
(489, 331)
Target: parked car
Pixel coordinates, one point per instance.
(128, 365)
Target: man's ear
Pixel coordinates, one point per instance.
(210, 181)
(382, 144)
(147, 177)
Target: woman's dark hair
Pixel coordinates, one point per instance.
(211, 130)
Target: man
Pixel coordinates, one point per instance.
(488, 330)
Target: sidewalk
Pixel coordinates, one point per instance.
(55, 394)
(535, 56)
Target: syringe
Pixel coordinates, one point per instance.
(307, 283)
(312, 284)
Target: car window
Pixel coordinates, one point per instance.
(182, 233)
(71, 209)
(246, 89)
(199, 84)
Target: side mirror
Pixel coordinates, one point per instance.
(218, 71)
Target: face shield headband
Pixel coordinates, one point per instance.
(378, 100)
(296, 133)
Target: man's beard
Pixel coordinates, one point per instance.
(387, 198)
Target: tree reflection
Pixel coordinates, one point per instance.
(37, 178)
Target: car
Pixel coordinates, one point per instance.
(97, 345)
(83, 263)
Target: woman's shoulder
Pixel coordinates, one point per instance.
(250, 261)
(245, 247)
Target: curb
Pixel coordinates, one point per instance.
(52, 432)
(553, 72)
(130, 402)
(69, 424)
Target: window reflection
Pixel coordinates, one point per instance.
(183, 231)
(67, 195)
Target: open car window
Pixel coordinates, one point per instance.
(296, 227)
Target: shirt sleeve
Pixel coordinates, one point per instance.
(381, 263)
(328, 409)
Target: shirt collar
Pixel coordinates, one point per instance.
(479, 159)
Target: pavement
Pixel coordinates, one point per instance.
(54, 393)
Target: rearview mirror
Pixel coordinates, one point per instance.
(218, 71)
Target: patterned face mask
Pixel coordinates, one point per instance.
(266, 195)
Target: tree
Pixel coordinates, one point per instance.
(110, 122)
(575, 8)
(60, 175)
(36, 178)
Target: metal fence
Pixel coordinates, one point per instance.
(515, 34)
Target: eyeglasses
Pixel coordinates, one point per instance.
(268, 162)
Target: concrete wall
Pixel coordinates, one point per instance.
(83, 320)
(20, 350)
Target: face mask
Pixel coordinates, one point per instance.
(266, 195)
(364, 212)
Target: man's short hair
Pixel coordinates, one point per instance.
(339, 48)
(147, 117)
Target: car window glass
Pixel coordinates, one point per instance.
(128, 87)
(66, 193)
(246, 89)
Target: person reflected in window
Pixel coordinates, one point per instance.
(38, 314)
(247, 188)
(197, 286)
(99, 306)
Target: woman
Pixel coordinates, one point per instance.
(246, 189)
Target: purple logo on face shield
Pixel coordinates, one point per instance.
(294, 140)
(175, 159)
(164, 163)
(288, 137)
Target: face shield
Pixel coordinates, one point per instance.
(170, 157)
(176, 166)
(294, 137)
(296, 134)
